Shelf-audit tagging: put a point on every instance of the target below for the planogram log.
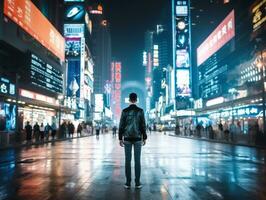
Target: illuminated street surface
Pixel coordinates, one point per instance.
(172, 168)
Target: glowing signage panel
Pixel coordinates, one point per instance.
(7, 117)
(45, 75)
(74, 30)
(116, 68)
(36, 96)
(183, 82)
(182, 58)
(218, 38)
(98, 102)
(181, 8)
(259, 15)
(6, 87)
(26, 15)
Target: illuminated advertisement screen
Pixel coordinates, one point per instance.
(73, 78)
(218, 38)
(26, 15)
(74, 30)
(73, 47)
(181, 8)
(182, 58)
(74, 13)
(98, 102)
(182, 82)
(45, 75)
(7, 117)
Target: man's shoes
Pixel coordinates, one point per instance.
(138, 185)
(127, 186)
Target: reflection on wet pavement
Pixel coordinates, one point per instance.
(172, 168)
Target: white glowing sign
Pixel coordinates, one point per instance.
(215, 101)
(155, 55)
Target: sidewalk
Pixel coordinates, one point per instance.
(217, 141)
(25, 144)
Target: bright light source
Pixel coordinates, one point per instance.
(259, 64)
(60, 97)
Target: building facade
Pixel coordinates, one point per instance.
(32, 65)
(230, 64)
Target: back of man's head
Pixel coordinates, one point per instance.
(133, 97)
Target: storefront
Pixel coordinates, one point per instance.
(243, 121)
(244, 116)
(37, 108)
(37, 115)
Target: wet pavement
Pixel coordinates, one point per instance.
(172, 168)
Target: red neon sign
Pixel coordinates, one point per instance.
(218, 38)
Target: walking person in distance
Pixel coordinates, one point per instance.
(132, 133)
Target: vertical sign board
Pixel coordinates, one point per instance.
(118, 89)
(258, 13)
(182, 40)
(73, 53)
(82, 71)
(116, 68)
(112, 86)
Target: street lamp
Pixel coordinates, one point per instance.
(191, 99)
(60, 99)
(260, 65)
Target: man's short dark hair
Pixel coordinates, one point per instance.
(133, 97)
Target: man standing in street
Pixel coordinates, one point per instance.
(132, 133)
(114, 131)
(28, 129)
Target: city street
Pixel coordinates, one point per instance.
(172, 168)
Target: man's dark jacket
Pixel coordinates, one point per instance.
(132, 124)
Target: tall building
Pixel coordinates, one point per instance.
(147, 63)
(101, 51)
(230, 86)
(161, 60)
(32, 68)
(156, 60)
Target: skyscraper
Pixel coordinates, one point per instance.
(101, 51)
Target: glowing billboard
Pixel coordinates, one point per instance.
(26, 15)
(183, 82)
(182, 58)
(218, 38)
(99, 103)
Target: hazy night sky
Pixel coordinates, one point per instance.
(129, 21)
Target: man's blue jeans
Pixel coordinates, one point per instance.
(137, 153)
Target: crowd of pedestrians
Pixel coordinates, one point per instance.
(42, 132)
(226, 131)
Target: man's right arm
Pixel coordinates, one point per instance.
(121, 126)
